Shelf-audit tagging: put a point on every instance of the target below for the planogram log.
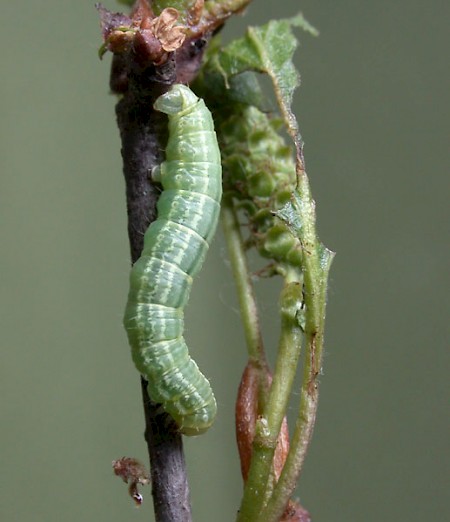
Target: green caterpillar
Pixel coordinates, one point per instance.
(175, 246)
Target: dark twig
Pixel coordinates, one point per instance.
(143, 134)
(167, 465)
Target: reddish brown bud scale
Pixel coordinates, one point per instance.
(247, 412)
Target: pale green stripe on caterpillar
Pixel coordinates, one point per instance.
(175, 246)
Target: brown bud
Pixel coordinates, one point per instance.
(171, 36)
(147, 48)
(150, 37)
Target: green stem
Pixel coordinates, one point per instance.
(261, 480)
(299, 444)
(289, 348)
(241, 274)
(316, 265)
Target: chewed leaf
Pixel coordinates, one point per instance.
(266, 49)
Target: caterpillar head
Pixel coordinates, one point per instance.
(178, 99)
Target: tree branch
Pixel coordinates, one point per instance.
(143, 135)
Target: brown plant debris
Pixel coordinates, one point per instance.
(132, 472)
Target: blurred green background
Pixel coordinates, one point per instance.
(374, 112)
